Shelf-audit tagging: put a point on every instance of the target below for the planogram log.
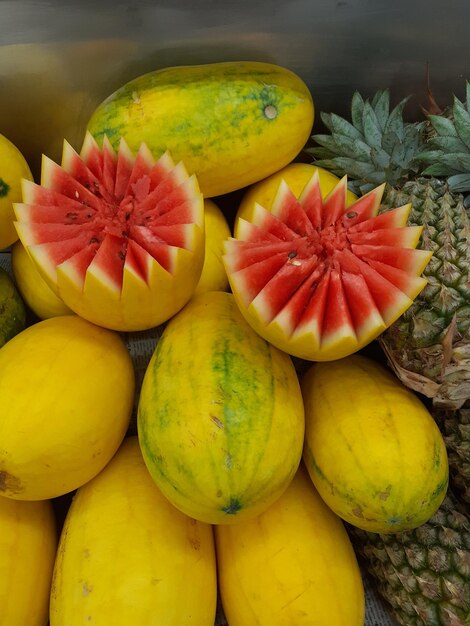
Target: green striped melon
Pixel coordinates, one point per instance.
(232, 123)
(220, 415)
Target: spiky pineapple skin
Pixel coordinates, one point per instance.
(424, 574)
(455, 427)
(429, 345)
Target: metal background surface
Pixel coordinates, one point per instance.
(58, 60)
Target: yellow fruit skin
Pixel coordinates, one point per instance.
(66, 392)
(220, 416)
(33, 288)
(372, 449)
(231, 123)
(213, 276)
(13, 167)
(127, 557)
(293, 564)
(28, 542)
(296, 175)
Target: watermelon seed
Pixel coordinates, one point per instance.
(71, 216)
(94, 240)
(270, 111)
(127, 215)
(291, 256)
(351, 215)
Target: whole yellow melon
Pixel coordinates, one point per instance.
(66, 392)
(213, 276)
(372, 449)
(291, 565)
(128, 557)
(28, 542)
(35, 291)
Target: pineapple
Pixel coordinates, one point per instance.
(448, 149)
(455, 427)
(424, 574)
(428, 347)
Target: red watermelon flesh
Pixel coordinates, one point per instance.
(320, 279)
(105, 216)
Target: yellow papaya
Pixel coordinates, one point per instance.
(231, 123)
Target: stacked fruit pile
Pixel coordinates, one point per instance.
(276, 450)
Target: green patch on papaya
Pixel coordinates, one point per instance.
(311, 463)
(440, 489)
(233, 507)
(4, 188)
(224, 107)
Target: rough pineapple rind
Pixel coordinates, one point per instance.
(424, 574)
(429, 345)
(455, 426)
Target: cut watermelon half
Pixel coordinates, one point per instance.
(320, 279)
(120, 238)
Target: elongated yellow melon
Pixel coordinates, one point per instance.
(231, 123)
(127, 557)
(213, 276)
(220, 416)
(28, 542)
(372, 449)
(33, 288)
(292, 565)
(66, 398)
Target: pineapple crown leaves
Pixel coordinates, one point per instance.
(447, 153)
(377, 146)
